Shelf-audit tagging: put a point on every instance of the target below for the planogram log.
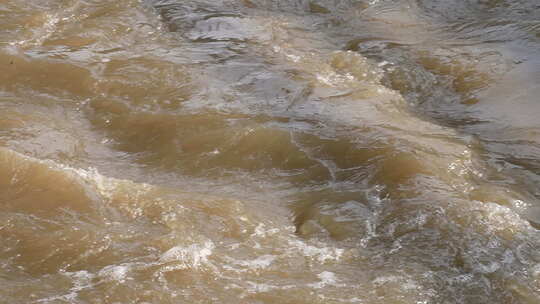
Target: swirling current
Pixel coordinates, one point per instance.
(270, 151)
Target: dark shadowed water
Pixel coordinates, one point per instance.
(270, 151)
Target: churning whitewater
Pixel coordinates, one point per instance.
(270, 151)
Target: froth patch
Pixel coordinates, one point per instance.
(192, 256)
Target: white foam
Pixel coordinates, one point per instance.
(327, 278)
(115, 273)
(262, 287)
(81, 279)
(193, 256)
(405, 283)
(536, 270)
(260, 231)
(321, 254)
(259, 263)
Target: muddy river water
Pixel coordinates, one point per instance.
(270, 151)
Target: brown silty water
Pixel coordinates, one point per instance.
(258, 151)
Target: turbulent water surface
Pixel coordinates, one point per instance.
(270, 151)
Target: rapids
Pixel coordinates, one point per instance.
(270, 151)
